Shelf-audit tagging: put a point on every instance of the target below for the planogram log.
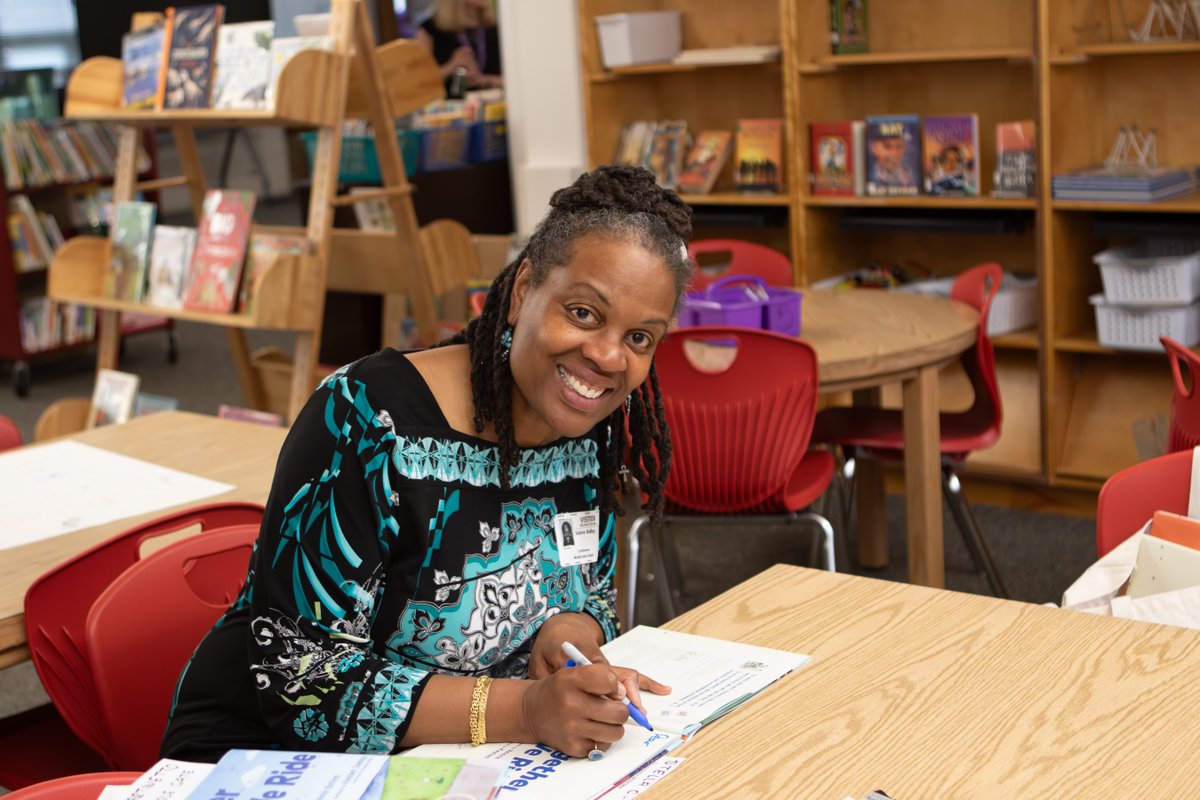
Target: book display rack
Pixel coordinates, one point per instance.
(316, 89)
(1073, 407)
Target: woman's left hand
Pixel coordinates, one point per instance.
(583, 632)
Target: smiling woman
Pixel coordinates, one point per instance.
(441, 522)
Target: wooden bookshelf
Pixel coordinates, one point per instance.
(827, 63)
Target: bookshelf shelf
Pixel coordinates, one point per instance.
(1079, 54)
(618, 73)
(831, 63)
(921, 201)
(1019, 340)
(736, 199)
(1188, 204)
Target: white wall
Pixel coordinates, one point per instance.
(542, 84)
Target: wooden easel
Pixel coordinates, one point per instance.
(316, 89)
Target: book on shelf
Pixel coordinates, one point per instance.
(283, 48)
(837, 157)
(30, 233)
(373, 213)
(1124, 183)
(950, 144)
(170, 255)
(186, 77)
(1016, 159)
(243, 64)
(264, 249)
(758, 156)
(36, 154)
(664, 156)
(709, 678)
(129, 256)
(216, 266)
(225, 411)
(141, 60)
(113, 398)
(893, 155)
(848, 26)
(45, 324)
(633, 144)
(704, 161)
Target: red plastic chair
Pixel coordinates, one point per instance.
(740, 436)
(1130, 497)
(1185, 401)
(74, 787)
(163, 605)
(64, 739)
(745, 258)
(10, 434)
(877, 432)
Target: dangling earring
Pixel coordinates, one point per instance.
(628, 404)
(506, 343)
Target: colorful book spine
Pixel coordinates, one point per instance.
(220, 250)
(893, 155)
(1016, 159)
(951, 149)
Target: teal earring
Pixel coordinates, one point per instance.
(506, 343)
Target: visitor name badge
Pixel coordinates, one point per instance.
(578, 537)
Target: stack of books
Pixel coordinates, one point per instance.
(1124, 183)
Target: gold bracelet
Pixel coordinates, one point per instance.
(479, 696)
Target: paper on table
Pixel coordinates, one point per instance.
(647, 778)
(168, 779)
(708, 677)
(66, 486)
(540, 773)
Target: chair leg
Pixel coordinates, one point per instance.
(826, 532)
(668, 576)
(632, 552)
(972, 534)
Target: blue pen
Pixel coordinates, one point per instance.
(575, 657)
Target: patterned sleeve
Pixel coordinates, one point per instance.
(317, 581)
(601, 602)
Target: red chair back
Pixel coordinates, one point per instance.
(163, 605)
(10, 434)
(1184, 433)
(739, 432)
(979, 426)
(1129, 498)
(58, 602)
(745, 258)
(74, 787)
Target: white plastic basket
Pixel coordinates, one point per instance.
(1014, 308)
(639, 37)
(1158, 271)
(1139, 327)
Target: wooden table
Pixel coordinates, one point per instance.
(237, 453)
(866, 339)
(925, 693)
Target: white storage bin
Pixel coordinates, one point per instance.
(639, 37)
(1139, 327)
(1159, 271)
(1014, 308)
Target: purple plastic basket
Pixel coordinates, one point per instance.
(744, 301)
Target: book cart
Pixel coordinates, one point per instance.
(316, 89)
(1069, 402)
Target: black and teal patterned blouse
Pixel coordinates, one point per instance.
(388, 553)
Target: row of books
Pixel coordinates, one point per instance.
(693, 165)
(35, 154)
(45, 325)
(900, 155)
(190, 59)
(33, 235)
(204, 268)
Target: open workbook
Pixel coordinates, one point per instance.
(708, 679)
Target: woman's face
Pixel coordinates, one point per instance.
(584, 338)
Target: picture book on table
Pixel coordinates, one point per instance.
(170, 256)
(264, 248)
(284, 48)
(893, 155)
(216, 265)
(243, 64)
(704, 161)
(950, 143)
(141, 60)
(133, 224)
(291, 775)
(836, 153)
(188, 58)
(664, 156)
(848, 26)
(113, 398)
(225, 411)
(758, 155)
(1016, 159)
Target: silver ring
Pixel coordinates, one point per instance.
(595, 754)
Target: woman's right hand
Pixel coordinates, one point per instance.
(573, 710)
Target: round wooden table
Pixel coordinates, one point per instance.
(865, 339)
